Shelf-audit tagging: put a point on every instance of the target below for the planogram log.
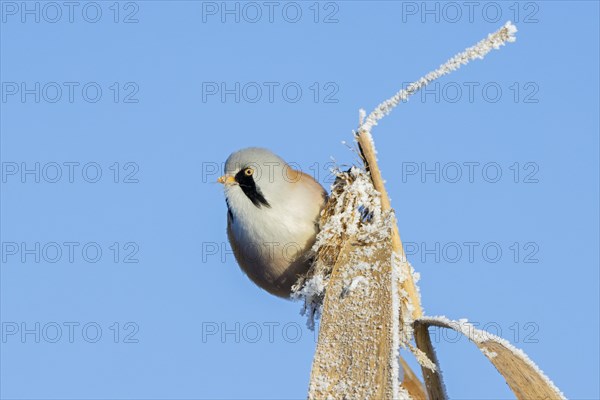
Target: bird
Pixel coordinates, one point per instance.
(272, 217)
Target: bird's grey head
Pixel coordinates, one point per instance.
(254, 177)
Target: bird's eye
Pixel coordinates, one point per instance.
(248, 171)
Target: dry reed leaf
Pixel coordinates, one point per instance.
(523, 377)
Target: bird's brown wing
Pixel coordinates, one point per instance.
(296, 176)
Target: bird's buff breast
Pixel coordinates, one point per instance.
(272, 248)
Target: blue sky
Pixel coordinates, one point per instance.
(116, 278)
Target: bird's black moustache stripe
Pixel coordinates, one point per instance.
(250, 189)
(229, 213)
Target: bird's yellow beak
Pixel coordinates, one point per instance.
(226, 180)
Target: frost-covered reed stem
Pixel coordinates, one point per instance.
(493, 41)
